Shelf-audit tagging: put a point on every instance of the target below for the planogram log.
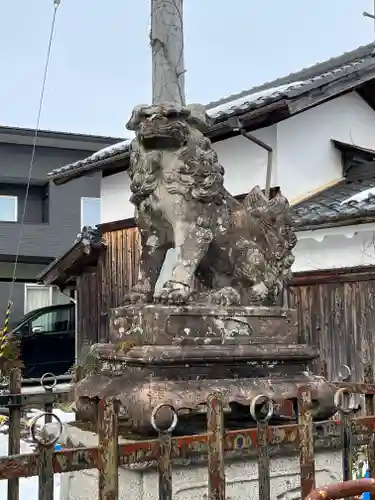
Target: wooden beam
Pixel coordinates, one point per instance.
(343, 275)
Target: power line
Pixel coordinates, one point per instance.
(56, 5)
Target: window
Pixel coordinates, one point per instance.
(8, 208)
(37, 296)
(52, 321)
(90, 212)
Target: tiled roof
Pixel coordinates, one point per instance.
(346, 200)
(289, 87)
(100, 156)
(304, 74)
(88, 237)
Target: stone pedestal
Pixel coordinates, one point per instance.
(180, 355)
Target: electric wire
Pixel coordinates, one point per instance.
(3, 337)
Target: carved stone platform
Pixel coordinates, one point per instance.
(203, 324)
(180, 355)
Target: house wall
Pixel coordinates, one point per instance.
(115, 194)
(304, 159)
(52, 238)
(245, 163)
(334, 248)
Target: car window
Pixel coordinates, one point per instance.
(52, 321)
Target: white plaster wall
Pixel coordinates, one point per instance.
(115, 194)
(335, 248)
(306, 158)
(245, 163)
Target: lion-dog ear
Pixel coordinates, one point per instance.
(136, 117)
(198, 117)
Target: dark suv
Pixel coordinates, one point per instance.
(47, 340)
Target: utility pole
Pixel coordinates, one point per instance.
(371, 16)
(167, 45)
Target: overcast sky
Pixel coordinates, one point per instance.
(100, 64)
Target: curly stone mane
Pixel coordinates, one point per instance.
(197, 174)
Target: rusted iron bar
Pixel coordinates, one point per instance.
(307, 462)
(46, 474)
(34, 397)
(347, 489)
(370, 411)
(78, 459)
(342, 402)
(169, 422)
(215, 428)
(108, 449)
(45, 456)
(14, 430)
(165, 467)
(264, 481)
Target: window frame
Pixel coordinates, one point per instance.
(15, 199)
(83, 200)
(51, 330)
(34, 286)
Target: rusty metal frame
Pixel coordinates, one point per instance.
(213, 446)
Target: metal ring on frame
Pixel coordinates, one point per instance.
(43, 383)
(259, 399)
(33, 430)
(344, 377)
(174, 422)
(337, 401)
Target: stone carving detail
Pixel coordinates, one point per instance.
(241, 253)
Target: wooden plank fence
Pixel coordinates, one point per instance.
(213, 446)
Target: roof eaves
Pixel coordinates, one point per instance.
(346, 146)
(88, 241)
(305, 73)
(5, 129)
(327, 222)
(65, 175)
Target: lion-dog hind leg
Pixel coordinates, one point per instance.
(192, 240)
(151, 261)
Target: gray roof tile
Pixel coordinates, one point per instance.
(334, 204)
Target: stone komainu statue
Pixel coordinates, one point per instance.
(239, 253)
